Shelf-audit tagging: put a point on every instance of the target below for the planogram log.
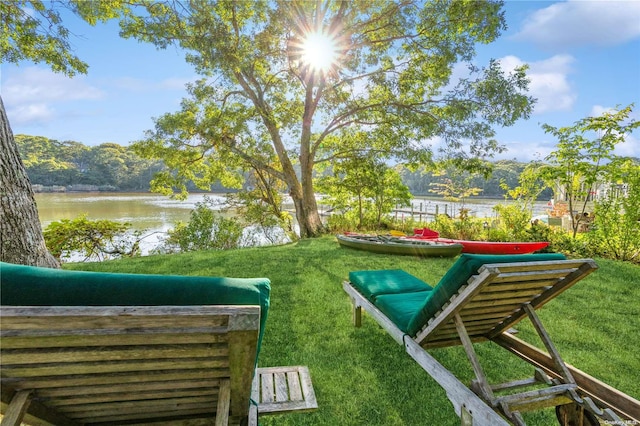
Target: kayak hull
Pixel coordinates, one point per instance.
(408, 247)
(481, 247)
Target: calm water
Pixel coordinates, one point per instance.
(143, 211)
(151, 213)
(156, 214)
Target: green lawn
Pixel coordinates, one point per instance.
(361, 376)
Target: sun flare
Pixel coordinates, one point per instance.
(319, 51)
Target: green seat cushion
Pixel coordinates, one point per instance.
(386, 281)
(400, 308)
(466, 266)
(32, 286)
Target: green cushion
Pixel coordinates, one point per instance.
(400, 308)
(458, 275)
(32, 286)
(386, 281)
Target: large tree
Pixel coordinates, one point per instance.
(289, 85)
(31, 30)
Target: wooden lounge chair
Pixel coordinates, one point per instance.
(481, 298)
(83, 348)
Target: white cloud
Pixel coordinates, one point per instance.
(598, 110)
(582, 23)
(32, 95)
(176, 83)
(629, 148)
(549, 82)
(41, 85)
(140, 85)
(34, 114)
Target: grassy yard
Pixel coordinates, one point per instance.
(361, 376)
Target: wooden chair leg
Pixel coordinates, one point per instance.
(357, 315)
(17, 408)
(224, 402)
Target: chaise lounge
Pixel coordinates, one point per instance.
(86, 348)
(481, 298)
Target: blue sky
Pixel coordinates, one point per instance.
(583, 57)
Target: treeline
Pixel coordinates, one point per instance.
(505, 172)
(112, 167)
(69, 164)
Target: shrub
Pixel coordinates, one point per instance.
(206, 230)
(93, 239)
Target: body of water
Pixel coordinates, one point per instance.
(155, 214)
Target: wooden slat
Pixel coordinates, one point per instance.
(519, 285)
(266, 388)
(62, 369)
(17, 408)
(138, 405)
(131, 353)
(508, 294)
(224, 402)
(92, 391)
(115, 365)
(293, 390)
(203, 410)
(95, 381)
(543, 275)
(281, 387)
(133, 395)
(71, 341)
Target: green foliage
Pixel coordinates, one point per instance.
(464, 228)
(261, 206)
(259, 104)
(513, 223)
(93, 239)
(206, 230)
(364, 189)
(615, 232)
(50, 162)
(581, 163)
(455, 185)
(514, 218)
(27, 37)
(32, 30)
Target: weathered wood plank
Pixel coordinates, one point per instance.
(133, 395)
(199, 410)
(62, 393)
(90, 340)
(17, 408)
(62, 369)
(131, 363)
(293, 382)
(459, 395)
(518, 285)
(140, 404)
(508, 294)
(95, 381)
(224, 403)
(131, 353)
(281, 387)
(623, 404)
(300, 395)
(242, 358)
(266, 388)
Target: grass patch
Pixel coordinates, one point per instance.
(361, 376)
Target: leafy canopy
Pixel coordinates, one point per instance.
(389, 91)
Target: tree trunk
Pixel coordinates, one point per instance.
(21, 239)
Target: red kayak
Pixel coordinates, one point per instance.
(482, 247)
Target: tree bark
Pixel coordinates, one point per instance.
(21, 239)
